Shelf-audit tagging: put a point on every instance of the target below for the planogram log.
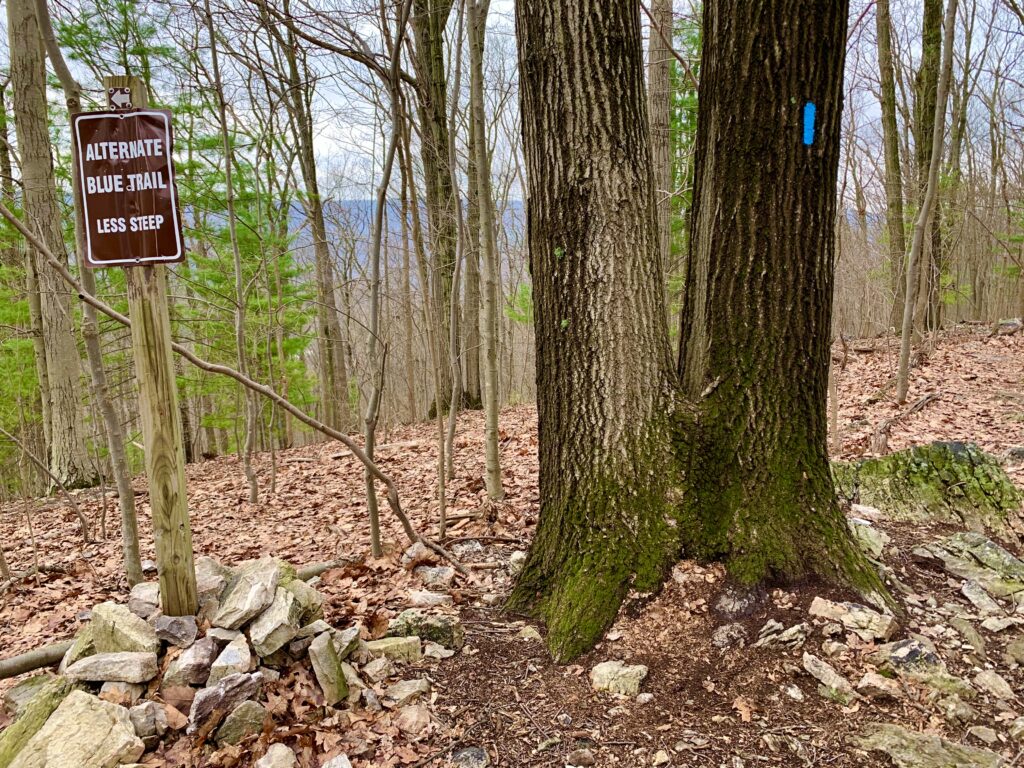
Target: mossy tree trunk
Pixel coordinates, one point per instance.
(730, 460)
(604, 375)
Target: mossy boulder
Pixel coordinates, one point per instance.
(951, 482)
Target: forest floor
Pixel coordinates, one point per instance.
(708, 706)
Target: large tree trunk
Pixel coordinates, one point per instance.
(68, 460)
(659, 96)
(429, 18)
(893, 174)
(604, 379)
(758, 304)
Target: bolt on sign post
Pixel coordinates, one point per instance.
(132, 220)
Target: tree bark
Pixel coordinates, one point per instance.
(67, 456)
(603, 362)
(471, 303)
(893, 173)
(659, 96)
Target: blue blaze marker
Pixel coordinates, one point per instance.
(809, 110)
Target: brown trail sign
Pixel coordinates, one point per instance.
(126, 178)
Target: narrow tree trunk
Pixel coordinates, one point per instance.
(659, 98)
(471, 305)
(603, 361)
(67, 456)
(893, 173)
(488, 241)
(757, 315)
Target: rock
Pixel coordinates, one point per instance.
(735, 602)
(471, 757)
(314, 629)
(246, 719)
(176, 721)
(354, 681)
(423, 599)
(405, 692)
(994, 684)
(223, 636)
(951, 482)
(833, 685)
(908, 749)
(234, 659)
(417, 554)
(82, 646)
(413, 720)
(793, 691)
(83, 732)
(434, 651)
(973, 557)
(115, 629)
(128, 667)
(250, 592)
(983, 733)
(644, 698)
(581, 757)
(435, 577)
(771, 635)
(310, 602)
(661, 758)
(192, 666)
(179, 631)
(338, 761)
(328, 670)
(874, 686)
(872, 540)
(34, 715)
(516, 561)
(277, 625)
(729, 635)
(862, 621)
(979, 598)
(144, 599)
(529, 633)
(1016, 729)
(18, 697)
(903, 655)
(943, 682)
(396, 648)
(378, 669)
(996, 624)
(1015, 650)
(278, 756)
(956, 711)
(439, 627)
(149, 720)
(370, 700)
(616, 677)
(346, 640)
(211, 578)
(149, 567)
(970, 636)
(225, 696)
(122, 694)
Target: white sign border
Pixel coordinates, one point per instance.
(171, 181)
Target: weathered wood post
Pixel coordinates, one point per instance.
(158, 409)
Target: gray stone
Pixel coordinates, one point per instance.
(996, 624)
(516, 561)
(874, 686)
(1015, 650)
(245, 720)
(144, 599)
(82, 646)
(908, 749)
(902, 655)
(310, 602)
(179, 631)
(128, 667)
(277, 625)
(412, 720)
(314, 629)
(328, 670)
(223, 636)
(298, 647)
(1016, 729)
(234, 659)
(983, 733)
(735, 602)
(115, 629)
(250, 592)
(192, 666)
(772, 634)
(355, 683)
(970, 636)
(833, 685)
(378, 669)
(211, 578)
(956, 711)
(406, 691)
(417, 554)
(434, 651)
(995, 684)
(278, 756)
(150, 722)
(872, 540)
(124, 694)
(580, 757)
(370, 700)
(83, 732)
(338, 761)
(346, 640)
(474, 757)
(729, 635)
(18, 697)
(440, 627)
(435, 577)
(225, 696)
(420, 598)
(979, 598)
(396, 648)
(616, 677)
(862, 621)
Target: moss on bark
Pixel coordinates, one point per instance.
(952, 482)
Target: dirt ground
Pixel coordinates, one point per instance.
(503, 693)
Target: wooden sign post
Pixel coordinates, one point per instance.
(131, 214)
